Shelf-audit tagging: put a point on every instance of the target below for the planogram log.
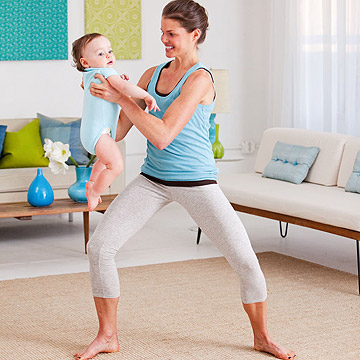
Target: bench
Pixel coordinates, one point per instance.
(320, 202)
(24, 211)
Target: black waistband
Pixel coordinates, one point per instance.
(179, 183)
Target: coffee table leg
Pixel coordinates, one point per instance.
(86, 228)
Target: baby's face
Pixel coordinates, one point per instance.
(98, 54)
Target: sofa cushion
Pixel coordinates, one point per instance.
(2, 136)
(326, 167)
(67, 133)
(324, 204)
(290, 162)
(353, 184)
(17, 124)
(347, 162)
(23, 148)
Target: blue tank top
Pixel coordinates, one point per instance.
(189, 157)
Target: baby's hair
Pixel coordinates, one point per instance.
(78, 47)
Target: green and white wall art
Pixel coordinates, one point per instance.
(119, 21)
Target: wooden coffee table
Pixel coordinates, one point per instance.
(24, 211)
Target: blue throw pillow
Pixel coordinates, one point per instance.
(290, 162)
(68, 133)
(353, 184)
(2, 136)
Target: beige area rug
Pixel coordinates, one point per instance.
(185, 310)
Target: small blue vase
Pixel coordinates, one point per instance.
(77, 191)
(212, 129)
(40, 192)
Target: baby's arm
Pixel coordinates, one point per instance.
(132, 90)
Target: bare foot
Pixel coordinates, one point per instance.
(92, 198)
(101, 344)
(268, 346)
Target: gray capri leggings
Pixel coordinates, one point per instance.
(206, 204)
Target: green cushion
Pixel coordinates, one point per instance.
(23, 148)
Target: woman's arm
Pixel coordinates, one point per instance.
(161, 132)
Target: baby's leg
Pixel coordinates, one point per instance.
(98, 167)
(111, 163)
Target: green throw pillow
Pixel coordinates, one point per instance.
(23, 148)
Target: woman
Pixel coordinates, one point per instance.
(179, 167)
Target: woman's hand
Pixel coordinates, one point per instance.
(104, 90)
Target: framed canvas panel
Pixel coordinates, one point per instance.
(119, 21)
(33, 30)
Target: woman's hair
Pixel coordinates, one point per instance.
(78, 47)
(189, 14)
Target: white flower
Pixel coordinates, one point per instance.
(57, 167)
(48, 147)
(58, 153)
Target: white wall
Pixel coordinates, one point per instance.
(236, 40)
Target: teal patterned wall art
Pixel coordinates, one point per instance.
(33, 30)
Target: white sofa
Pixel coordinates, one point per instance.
(320, 202)
(15, 182)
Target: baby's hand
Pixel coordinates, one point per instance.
(151, 103)
(124, 77)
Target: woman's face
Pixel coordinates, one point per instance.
(176, 39)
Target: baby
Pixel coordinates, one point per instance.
(92, 54)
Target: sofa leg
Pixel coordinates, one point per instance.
(283, 235)
(198, 236)
(358, 261)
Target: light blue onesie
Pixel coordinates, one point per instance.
(99, 116)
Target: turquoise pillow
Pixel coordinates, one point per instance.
(353, 184)
(2, 136)
(68, 133)
(290, 162)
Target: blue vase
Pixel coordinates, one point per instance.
(40, 192)
(212, 129)
(77, 191)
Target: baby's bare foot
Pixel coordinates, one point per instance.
(101, 344)
(92, 198)
(268, 346)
